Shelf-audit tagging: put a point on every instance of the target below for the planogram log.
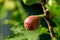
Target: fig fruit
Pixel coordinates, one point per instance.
(32, 22)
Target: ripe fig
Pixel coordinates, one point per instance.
(32, 22)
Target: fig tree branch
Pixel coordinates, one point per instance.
(47, 19)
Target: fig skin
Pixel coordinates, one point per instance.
(32, 22)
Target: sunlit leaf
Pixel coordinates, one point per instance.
(3, 13)
(53, 38)
(30, 2)
(26, 34)
(1, 1)
(57, 20)
(53, 7)
(10, 5)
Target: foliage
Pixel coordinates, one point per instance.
(16, 12)
(29, 2)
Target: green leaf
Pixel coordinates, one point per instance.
(58, 2)
(53, 7)
(11, 22)
(3, 13)
(17, 29)
(30, 2)
(57, 29)
(57, 20)
(21, 11)
(24, 34)
(53, 38)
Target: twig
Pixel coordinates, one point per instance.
(50, 27)
(47, 19)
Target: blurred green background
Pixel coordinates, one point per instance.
(12, 15)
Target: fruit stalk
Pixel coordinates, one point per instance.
(47, 19)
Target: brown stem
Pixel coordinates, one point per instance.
(50, 27)
(47, 19)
